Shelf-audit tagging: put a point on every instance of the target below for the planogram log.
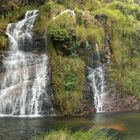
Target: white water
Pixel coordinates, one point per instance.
(23, 87)
(97, 51)
(98, 84)
(66, 11)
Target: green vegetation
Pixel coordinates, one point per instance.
(125, 36)
(95, 21)
(68, 80)
(65, 134)
(3, 42)
(120, 21)
(62, 32)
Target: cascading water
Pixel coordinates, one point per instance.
(23, 87)
(66, 11)
(98, 84)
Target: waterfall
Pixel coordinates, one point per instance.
(24, 84)
(98, 87)
(97, 51)
(97, 79)
(64, 12)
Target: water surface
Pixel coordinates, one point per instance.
(15, 128)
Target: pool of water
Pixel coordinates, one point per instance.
(128, 122)
(15, 128)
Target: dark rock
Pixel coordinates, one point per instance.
(84, 108)
(118, 102)
(101, 18)
(37, 44)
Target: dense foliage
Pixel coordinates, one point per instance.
(68, 81)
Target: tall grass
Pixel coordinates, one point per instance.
(65, 134)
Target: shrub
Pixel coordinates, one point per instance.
(58, 33)
(48, 6)
(70, 81)
(67, 81)
(62, 32)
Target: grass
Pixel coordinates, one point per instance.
(67, 80)
(64, 134)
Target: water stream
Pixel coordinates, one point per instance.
(98, 87)
(97, 78)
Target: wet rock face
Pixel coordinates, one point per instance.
(113, 100)
(85, 108)
(118, 102)
(37, 44)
